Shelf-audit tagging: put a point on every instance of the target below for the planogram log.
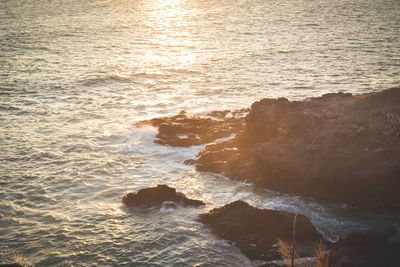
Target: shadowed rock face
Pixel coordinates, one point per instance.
(191, 130)
(255, 231)
(366, 249)
(155, 196)
(337, 147)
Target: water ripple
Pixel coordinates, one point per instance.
(71, 91)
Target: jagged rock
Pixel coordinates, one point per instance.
(366, 249)
(255, 231)
(156, 196)
(337, 147)
(192, 130)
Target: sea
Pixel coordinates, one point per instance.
(77, 75)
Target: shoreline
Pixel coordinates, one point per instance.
(320, 147)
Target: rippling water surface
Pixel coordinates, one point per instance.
(77, 75)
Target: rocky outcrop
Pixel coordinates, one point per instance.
(366, 249)
(191, 130)
(156, 196)
(337, 147)
(255, 231)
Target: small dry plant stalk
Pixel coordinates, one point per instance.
(291, 256)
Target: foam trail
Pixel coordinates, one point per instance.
(223, 139)
(141, 141)
(168, 207)
(145, 134)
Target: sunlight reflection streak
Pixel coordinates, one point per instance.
(170, 22)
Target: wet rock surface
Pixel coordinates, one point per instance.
(156, 196)
(366, 249)
(191, 130)
(255, 231)
(338, 148)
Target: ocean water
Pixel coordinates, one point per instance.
(75, 77)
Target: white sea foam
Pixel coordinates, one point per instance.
(223, 139)
(221, 243)
(146, 133)
(180, 154)
(245, 183)
(325, 218)
(170, 204)
(168, 207)
(141, 141)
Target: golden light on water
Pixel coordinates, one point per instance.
(169, 8)
(170, 22)
(170, 59)
(79, 75)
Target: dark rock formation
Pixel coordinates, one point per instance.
(255, 231)
(366, 249)
(155, 196)
(184, 130)
(337, 147)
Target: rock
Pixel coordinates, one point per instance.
(192, 130)
(11, 265)
(338, 148)
(156, 196)
(366, 249)
(189, 162)
(255, 231)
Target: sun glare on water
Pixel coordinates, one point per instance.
(170, 22)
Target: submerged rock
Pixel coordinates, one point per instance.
(338, 147)
(156, 196)
(192, 130)
(366, 249)
(255, 231)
